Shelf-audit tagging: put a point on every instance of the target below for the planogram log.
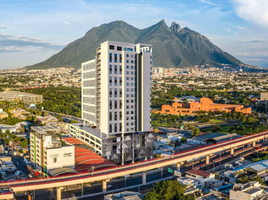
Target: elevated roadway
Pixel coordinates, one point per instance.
(105, 175)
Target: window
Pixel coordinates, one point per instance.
(127, 61)
(120, 93)
(131, 61)
(115, 57)
(127, 95)
(120, 106)
(120, 81)
(115, 93)
(115, 116)
(110, 116)
(120, 58)
(111, 93)
(115, 81)
(110, 128)
(110, 80)
(120, 69)
(115, 69)
(127, 107)
(127, 84)
(127, 66)
(131, 78)
(132, 73)
(131, 84)
(132, 101)
(119, 49)
(127, 55)
(110, 104)
(115, 104)
(110, 69)
(132, 56)
(115, 128)
(111, 47)
(131, 67)
(110, 57)
(127, 89)
(127, 72)
(120, 127)
(127, 78)
(132, 112)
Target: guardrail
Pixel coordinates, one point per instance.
(107, 171)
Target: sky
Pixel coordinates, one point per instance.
(31, 31)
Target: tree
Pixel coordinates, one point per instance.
(168, 190)
(156, 130)
(183, 140)
(24, 143)
(216, 127)
(7, 132)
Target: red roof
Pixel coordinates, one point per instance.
(85, 159)
(71, 140)
(199, 172)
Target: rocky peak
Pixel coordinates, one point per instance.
(175, 27)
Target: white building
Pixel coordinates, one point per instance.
(47, 152)
(116, 101)
(248, 191)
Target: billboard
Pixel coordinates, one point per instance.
(264, 96)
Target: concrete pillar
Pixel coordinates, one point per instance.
(59, 193)
(254, 144)
(104, 186)
(207, 159)
(144, 177)
(232, 151)
(179, 166)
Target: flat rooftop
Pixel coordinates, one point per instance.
(94, 131)
(45, 129)
(252, 190)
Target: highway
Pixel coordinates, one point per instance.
(119, 171)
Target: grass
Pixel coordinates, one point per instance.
(224, 129)
(216, 121)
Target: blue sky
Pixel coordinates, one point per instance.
(31, 31)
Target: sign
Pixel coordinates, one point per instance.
(170, 170)
(264, 96)
(67, 154)
(177, 173)
(54, 155)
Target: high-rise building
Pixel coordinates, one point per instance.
(116, 102)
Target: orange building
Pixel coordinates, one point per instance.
(205, 104)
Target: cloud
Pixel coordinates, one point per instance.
(10, 49)
(255, 11)
(66, 22)
(8, 41)
(228, 30)
(208, 2)
(3, 27)
(252, 41)
(240, 27)
(255, 53)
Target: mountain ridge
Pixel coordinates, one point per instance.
(172, 46)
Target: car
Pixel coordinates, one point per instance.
(108, 186)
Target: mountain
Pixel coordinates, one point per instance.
(172, 46)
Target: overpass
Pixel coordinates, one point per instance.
(105, 175)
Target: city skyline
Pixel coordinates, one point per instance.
(31, 32)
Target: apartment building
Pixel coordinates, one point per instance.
(47, 153)
(116, 102)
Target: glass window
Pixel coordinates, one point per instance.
(111, 47)
(115, 69)
(110, 57)
(115, 57)
(119, 49)
(120, 69)
(131, 67)
(110, 69)
(120, 58)
(127, 55)
(131, 61)
(127, 66)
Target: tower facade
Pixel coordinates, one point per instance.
(116, 99)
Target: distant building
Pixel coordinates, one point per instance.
(213, 138)
(14, 96)
(3, 114)
(127, 195)
(47, 153)
(248, 191)
(205, 104)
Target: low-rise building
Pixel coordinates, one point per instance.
(15, 96)
(205, 104)
(248, 191)
(47, 152)
(3, 114)
(201, 175)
